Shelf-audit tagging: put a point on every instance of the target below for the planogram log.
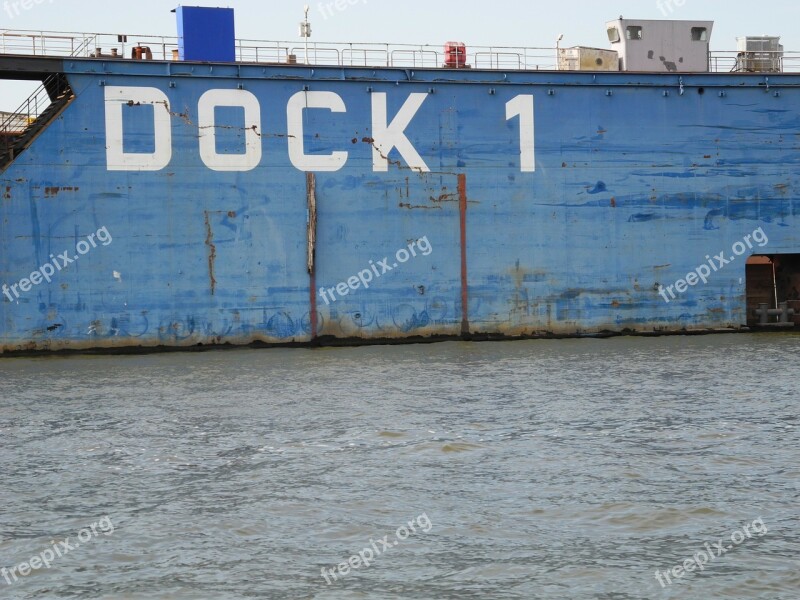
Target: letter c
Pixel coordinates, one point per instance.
(294, 115)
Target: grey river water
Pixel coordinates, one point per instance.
(546, 469)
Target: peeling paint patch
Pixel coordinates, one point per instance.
(53, 191)
(598, 188)
(445, 198)
(642, 218)
(412, 206)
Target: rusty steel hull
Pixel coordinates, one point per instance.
(570, 220)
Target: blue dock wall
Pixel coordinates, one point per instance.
(639, 180)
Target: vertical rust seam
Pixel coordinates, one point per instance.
(462, 203)
(212, 253)
(311, 199)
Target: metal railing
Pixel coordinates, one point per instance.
(110, 46)
(16, 122)
(754, 62)
(69, 44)
(114, 46)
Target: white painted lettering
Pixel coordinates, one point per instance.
(388, 137)
(208, 130)
(522, 107)
(116, 98)
(294, 114)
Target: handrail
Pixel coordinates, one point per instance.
(435, 58)
(515, 60)
(82, 47)
(99, 45)
(29, 110)
(86, 45)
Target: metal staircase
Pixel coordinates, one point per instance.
(20, 128)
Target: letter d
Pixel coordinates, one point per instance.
(118, 99)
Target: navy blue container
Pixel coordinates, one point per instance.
(206, 34)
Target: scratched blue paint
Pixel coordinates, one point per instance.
(579, 246)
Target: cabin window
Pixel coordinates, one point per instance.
(634, 32)
(613, 35)
(699, 34)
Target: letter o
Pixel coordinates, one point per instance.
(736, 534)
(403, 537)
(208, 130)
(88, 538)
(83, 247)
(404, 252)
(739, 245)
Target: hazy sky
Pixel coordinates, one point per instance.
(497, 22)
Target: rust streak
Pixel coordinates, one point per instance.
(184, 115)
(212, 253)
(412, 206)
(311, 199)
(462, 195)
(398, 163)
